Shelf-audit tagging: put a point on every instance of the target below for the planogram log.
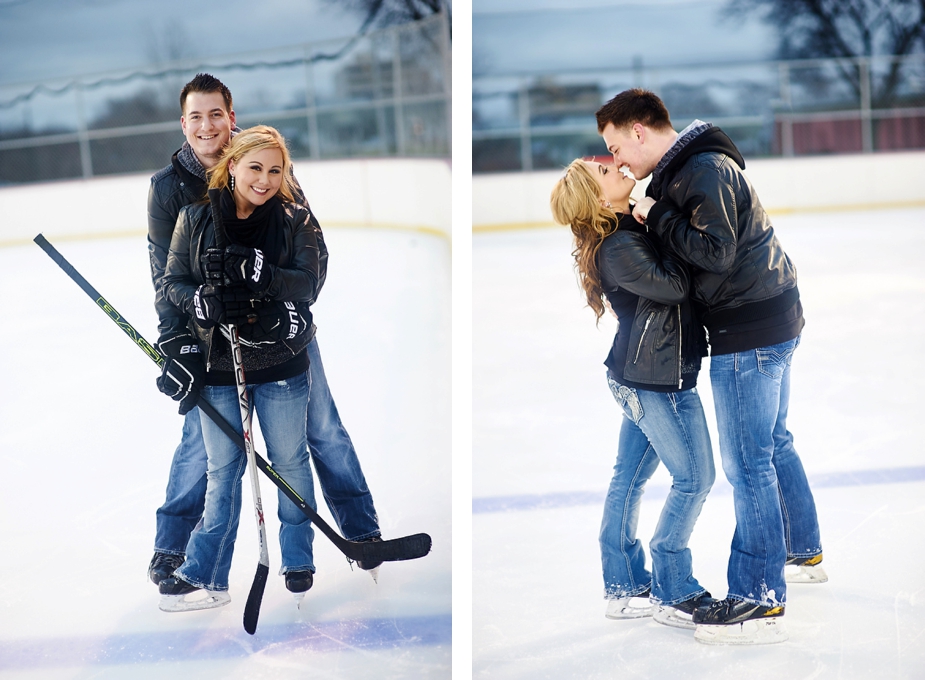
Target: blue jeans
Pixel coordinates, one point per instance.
(280, 407)
(186, 490)
(343, 484)
(336, 465)
(658, 426)
(774, 507)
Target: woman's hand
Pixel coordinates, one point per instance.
(641, 209)
(247, 266)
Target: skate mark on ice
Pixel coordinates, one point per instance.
(186, 645)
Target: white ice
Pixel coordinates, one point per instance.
(545, 433)
(87, 442)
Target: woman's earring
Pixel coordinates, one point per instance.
(232, 182)
(608, 204)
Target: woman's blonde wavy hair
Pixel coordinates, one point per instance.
(575, 202)
(247, 141)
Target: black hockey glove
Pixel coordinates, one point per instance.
(297, 319)
(248, 266)
(241, 308)
(276, 321)
(208, 307)
(183, 371)
(212, 263)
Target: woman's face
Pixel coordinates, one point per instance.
(615, 186)
(258, 175)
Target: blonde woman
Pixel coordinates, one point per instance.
(652, 372)
(262, 281)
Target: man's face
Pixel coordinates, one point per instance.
(628, 148)
(207, 125)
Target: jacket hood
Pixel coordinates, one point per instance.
(712, 140)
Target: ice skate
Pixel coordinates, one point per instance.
(298, 583)
(633, 607)
(805, 570)
(680, 615)
(162, 566)
(734, 622)
(179, 596)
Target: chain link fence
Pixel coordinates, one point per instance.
(386, 93)
(535, 121)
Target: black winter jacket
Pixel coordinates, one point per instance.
(294, 276)
(708, 213)
(659, 340)
(173, 188)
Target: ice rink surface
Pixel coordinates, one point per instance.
(87, 445)
(544, 444)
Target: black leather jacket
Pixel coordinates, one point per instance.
(295, 276)
(173, 188)
(659, 339)
(708, 213)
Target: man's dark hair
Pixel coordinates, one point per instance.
(205, 84)
(631, 107)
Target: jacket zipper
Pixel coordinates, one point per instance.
(680, 343)
(643, 336)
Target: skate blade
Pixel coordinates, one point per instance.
(299, 598)
(621, 609)
(755, 632)
(805, 574)
(670, 617)
(204, 599)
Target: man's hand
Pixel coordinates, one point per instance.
(641, 209)
(183, 371)
(212, 264)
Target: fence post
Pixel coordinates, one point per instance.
(867, 132)
(523, 107)
(83, 139)
(311, 107)
(786, 122)
(398, 93)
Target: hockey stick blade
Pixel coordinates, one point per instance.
(392, 550)
(254, 598)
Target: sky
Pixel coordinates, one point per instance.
(512, 36)
(47, 39)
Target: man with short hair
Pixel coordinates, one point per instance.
(208, 122)
(704, 209)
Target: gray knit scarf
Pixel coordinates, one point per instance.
(685, 137)
(189, 161)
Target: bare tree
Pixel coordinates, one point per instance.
(380, 13)
(810, 29)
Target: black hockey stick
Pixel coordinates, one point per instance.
(393, 550)
(255, 597)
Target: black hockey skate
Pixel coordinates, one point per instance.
(179, 596)
(735, 622)
(680, 615)
(162, 566)
(298, 583)
(808, 570)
